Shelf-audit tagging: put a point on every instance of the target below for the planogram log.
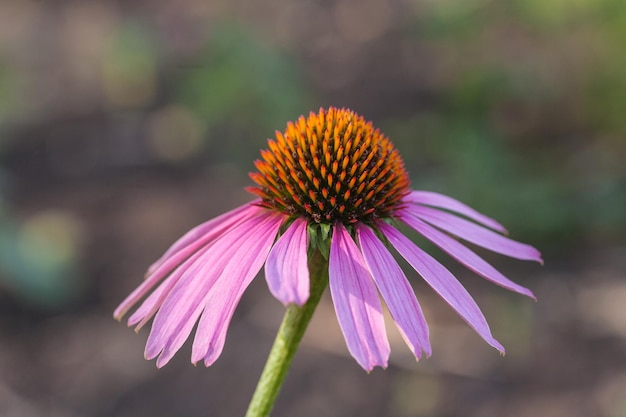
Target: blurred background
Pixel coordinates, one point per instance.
(125, 123)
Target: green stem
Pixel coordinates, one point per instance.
(287, 340)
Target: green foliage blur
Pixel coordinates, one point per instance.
(531, 121)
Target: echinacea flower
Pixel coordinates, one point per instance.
(331, 182)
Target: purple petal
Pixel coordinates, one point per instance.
(475, 234)
(286, 269)
(430, 198)
(165, 265)
(198, 232)
(356, 302)
(224, 296)
(396, 291)
(464, 255)
(184, 304)
(153, 302)
(443, 282)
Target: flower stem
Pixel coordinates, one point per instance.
(288, 338)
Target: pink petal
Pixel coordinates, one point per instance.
(464, 255)
(475, 234)
(443, 282)
(184, 304)
(201, 230)
(165, 265)
(356, 302)
(286, 269)
(430, 198)
(223, 297)
(396, 291)
(153, 302)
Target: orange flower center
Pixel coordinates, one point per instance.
(331, 166)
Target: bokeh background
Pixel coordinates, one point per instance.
(125, 123)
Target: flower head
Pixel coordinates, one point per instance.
(332, 167)
(331, 182)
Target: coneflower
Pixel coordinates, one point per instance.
(331, 191)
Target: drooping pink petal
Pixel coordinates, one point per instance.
(211, 231)
(443, 282)
(475, 234)
(356, 302)
(286, 269)
(153, 302)
(430, 198)
(184, 304)
(201, 230)
(464, 255)
(396, 291)
(164, 266)
(224, 296)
